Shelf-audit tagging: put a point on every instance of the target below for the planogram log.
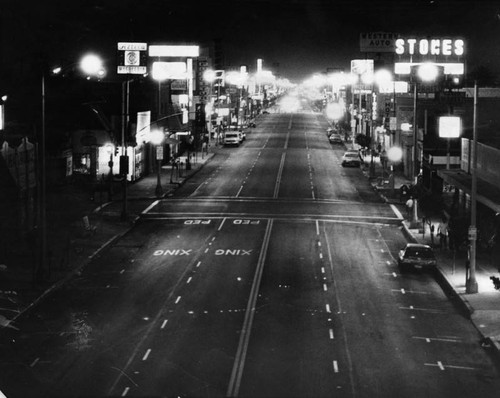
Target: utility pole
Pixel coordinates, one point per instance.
(471, 282)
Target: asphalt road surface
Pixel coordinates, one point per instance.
(270, 273)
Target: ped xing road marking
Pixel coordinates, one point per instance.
(239, 360)
(229, 252)
(172, 252)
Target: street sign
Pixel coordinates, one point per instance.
(393, 123)
(159, 152)
(132, 58)
(472, 233)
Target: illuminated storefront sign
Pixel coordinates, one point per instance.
(444, 47)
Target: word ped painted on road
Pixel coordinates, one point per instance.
(246, 222)
(172, 252)
(197, 222)
(236, 252)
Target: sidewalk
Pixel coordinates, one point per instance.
(72, 242)
(483, 307)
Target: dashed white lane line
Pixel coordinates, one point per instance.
(335, 367)
(34, 362)
(178, 299)
(206, 250)
(125, 392)
(328, 308)
(321, 255)
(325, 288)
(440, 364)
(331, 334)
(199, 263)
(164, 324)
(146, 355)
(322, 270)
(189, 279)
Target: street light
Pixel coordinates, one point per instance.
(90, 65)
(157, 137)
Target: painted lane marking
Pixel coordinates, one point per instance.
(322, 270)
(328, 308)
(239, 191)
(396, 211)
(164, 324)
(189, 279)
(146, 355)
(239, 360)
(335, 367)
(221, 224)
(409, 291)
(151, 206)
(321, 255)
(431, 310)
(317, 227)
(440, 365)
(206, 250)
(278, 178)
(331, 334)
(325, 288)
(429, 339)
(178, 299)
(34, 362)
(125, 392)
(199, 263)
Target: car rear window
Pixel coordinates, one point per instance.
(419, 252)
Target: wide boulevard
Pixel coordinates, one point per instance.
(269, 273)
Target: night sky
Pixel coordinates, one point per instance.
(303, 36)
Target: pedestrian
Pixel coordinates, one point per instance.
(432, 234)
(442, 232)
(409, 206)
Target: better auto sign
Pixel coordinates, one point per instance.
(132, 58)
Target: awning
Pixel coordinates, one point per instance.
(486, 193)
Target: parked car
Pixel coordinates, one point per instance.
(335, 138)
(416, 255)
(351, 158)
(232, 138)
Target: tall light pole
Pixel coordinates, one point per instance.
(427, 73)
(157, 137)
(91, 65)
(471, 283)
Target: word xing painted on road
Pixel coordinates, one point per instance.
(172, 252)
(236, 252)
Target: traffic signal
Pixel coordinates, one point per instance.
(200, 116)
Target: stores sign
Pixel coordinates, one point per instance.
(445, 47)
